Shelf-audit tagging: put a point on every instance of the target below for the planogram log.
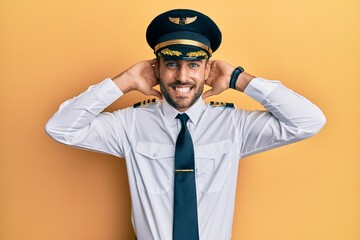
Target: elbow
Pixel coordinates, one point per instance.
(322, 121)
(54, 132)
(48, 128)
(318, 123)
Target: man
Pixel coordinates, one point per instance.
(181, 154)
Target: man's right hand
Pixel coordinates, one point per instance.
(141, 77)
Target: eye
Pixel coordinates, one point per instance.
(194, 65)
(171, 64)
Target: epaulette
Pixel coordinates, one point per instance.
(221, 104)
(145, 102)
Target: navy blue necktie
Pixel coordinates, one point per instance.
(185, 225)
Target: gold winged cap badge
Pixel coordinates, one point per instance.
(183, 20)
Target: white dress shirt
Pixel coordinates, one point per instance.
(145, 136)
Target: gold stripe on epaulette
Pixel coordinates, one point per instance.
(221, 104)
(145, 102)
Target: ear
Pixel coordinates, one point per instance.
(207, 69)
(157, 68)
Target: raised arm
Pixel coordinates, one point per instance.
(81, 121)
(290, 117)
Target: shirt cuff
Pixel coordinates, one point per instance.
(259, 88)
(107, 91)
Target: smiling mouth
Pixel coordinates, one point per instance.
(182, 89)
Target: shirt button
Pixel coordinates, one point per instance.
(154, 155)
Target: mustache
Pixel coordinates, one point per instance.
(178, 83)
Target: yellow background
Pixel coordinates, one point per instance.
(51, 51)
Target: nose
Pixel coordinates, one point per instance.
(182, 73)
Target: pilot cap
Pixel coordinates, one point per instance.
(183, 34)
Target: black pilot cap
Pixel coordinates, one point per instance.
(183, 34)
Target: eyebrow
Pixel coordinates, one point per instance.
(190, 60)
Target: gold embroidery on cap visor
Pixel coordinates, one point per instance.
(183, 42)
(169, 52)
(200, 53)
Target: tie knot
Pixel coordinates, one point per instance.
(183, 118)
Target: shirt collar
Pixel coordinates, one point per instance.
(193, 112)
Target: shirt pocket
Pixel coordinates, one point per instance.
(155, 164)
(213, 165)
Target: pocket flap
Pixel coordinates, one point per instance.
(155, 150)
(213, 150)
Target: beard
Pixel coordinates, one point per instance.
(181, 103)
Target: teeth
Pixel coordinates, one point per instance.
(183, 90)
